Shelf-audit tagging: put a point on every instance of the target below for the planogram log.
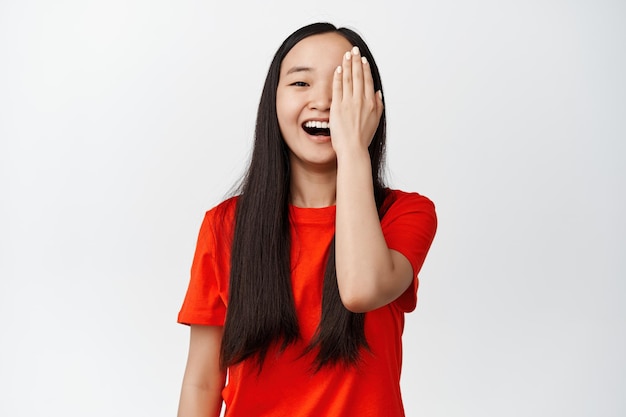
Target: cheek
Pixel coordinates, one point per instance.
(286, 111)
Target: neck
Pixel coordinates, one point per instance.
(312, 188)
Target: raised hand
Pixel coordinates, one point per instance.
(356, 108)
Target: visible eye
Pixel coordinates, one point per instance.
(300, 84)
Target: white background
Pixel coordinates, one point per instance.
(121, 122)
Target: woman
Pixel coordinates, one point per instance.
(300, 283)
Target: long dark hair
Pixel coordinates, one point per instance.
(261, 308)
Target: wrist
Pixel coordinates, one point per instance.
(354, 160)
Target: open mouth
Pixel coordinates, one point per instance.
(316, 128)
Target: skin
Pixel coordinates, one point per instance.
(305, 93)
(322, 78)
(369, 274)
(201, 392)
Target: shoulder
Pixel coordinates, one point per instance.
(408, 213)
(224, 209)
(219, 220)
(398, 201)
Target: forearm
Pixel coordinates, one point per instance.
(201, 393)
(197, 401)
(364, 263)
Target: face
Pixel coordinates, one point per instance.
(303, 98)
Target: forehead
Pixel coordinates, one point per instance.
(317, 50)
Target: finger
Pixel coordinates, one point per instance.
(368, 80)
(357, 73)
(337, 85)
(380, 105)
(347, 74)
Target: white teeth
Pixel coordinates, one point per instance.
(317, 124)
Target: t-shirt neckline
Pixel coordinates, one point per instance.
(312, 215)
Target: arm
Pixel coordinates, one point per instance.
(369, 274)
(201, 394)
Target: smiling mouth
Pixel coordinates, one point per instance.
(316, 128)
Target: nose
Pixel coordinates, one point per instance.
(321, 97)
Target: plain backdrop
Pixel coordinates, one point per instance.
(122, 122)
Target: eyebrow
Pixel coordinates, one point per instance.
(298, 69)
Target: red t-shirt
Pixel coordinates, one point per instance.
(286, 386)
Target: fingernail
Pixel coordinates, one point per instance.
(339, 69)
(348, 55)
(364, 60)
(355, 50)
(380, 94)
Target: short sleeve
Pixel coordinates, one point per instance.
(204, 303)
(409, 227)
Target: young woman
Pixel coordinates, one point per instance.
(299, 284)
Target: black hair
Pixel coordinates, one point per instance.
(261, 309)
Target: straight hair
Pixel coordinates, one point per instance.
(261, 311)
